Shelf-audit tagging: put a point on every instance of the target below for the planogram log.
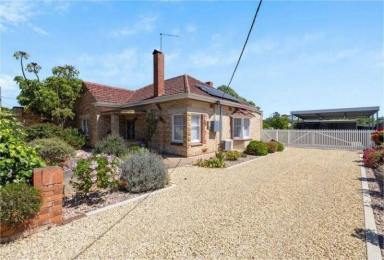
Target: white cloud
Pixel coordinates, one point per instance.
(191, 28)
(38, 29)
(9, 90)
(15, 12)
(143, 24)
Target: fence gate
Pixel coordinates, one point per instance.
(331, 139)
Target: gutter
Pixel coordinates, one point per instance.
(177, 97)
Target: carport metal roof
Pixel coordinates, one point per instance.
(338, 113)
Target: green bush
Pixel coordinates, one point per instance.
(111, 145)
(137, 149)
(47, 130)
(257, 148)
(280, 146)
(215, 162)
(19, 202)
(73, 137)
(42, 130)
(232, 155)
(97, 172)
(272, 147)
(17, 159)
(142, 172)
(54, 151)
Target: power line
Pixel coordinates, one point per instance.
(245, 43)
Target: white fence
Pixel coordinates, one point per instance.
(330, 139)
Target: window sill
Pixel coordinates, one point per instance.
(242, 139)
(175, 143)
(196, 144)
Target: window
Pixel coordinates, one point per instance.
(196, 128)
(241, 128)
(130, 129)
(177, 128)
(84, 127)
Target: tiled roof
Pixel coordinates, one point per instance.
(103, 93)
(173, 86)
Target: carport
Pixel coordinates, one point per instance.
(339, 118)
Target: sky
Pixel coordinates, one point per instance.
(301, 54)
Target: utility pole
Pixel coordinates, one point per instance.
(168, 35)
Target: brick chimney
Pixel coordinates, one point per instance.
(158, 73)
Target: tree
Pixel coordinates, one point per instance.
(21, 55)
(233, 93)
(277, 121)
(53, 97)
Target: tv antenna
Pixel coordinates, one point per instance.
(167, 35)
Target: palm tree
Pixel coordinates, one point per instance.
(21, 55)
(35, 68)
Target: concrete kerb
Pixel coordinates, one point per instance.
(371, 236)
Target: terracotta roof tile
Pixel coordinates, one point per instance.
(103, 93)
(173, 86)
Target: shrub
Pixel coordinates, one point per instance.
(137, 149)
(257, 148)
(73, 137)
(215, 162)
(18, 202)
(47, 130)
(112, 145)
(378, 137)
(373, 157)
(232, 155)
(96, 172)
(54, 151)
(280, 146)
(272, 147)
(143, 172)
(17, 159)
(42, 130)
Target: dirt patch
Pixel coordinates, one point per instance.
(376, 186)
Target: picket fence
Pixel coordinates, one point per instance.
(329, 139)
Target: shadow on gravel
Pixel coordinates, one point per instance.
(369, 236)
(78, 199)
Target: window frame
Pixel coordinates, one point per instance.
(85, 126)
(198, 141)
(242, 129)
(173, 129)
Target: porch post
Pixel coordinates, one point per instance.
(115, 124)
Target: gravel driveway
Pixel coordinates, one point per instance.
(301, 203)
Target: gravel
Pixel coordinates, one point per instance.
(300, 203)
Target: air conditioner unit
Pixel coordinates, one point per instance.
(228, 145)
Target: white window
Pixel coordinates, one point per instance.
(196, 128)
(177, 128)
(84, 127)
(241, 128)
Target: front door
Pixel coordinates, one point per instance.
(130, 129)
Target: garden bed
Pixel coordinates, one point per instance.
(76, 206)
(376, 187)
(240, 160)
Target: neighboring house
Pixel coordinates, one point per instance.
(188, 112)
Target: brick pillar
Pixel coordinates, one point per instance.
(115, 128)
(49, 181)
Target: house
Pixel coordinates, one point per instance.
(192, 117)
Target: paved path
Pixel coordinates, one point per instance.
(301, 203)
